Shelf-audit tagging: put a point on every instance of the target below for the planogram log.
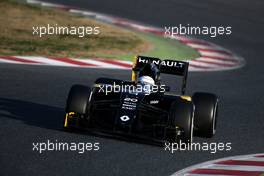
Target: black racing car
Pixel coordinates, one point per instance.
(143, 109)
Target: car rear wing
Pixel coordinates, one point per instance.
(167, 66)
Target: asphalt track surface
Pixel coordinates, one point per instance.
(32, 98)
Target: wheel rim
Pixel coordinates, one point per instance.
(214, 117)
(192, 125)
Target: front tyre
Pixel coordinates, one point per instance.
(205, 116)
(77, 106)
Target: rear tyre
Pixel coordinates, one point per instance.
(181, 115)
(205, 116)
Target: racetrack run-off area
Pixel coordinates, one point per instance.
(212, 57)
(244, 165)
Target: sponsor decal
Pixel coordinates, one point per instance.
(168, 63)
(154, 102)
(124, 118)
(129, 103)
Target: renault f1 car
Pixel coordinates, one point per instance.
(124, 108)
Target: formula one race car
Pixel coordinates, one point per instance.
(143, 107)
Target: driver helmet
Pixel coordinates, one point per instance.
(146, 80)
(150, 70)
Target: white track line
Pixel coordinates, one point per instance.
(125, 62)
(47, 61)
(191, 68)
(7, 61)
(199, 46)
(100, 63)
(251, 159)
(196, 62)
(201, 175)
(234, 167)
(215, 54)
(215, 61)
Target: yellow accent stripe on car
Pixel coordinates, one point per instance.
(133, 75)
(188, 98)
(96, 85)
(71, 113)
(66, 120)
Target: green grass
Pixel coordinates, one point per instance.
(17, 20)
(162, 48)
(16, 38)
